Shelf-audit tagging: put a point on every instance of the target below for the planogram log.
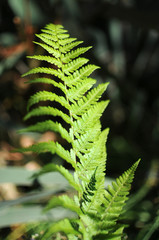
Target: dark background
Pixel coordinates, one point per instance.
(125, 39)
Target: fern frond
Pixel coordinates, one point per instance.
(47, 96)
(66, 155)
(52, 147)
(48, 125)
(48, 59)
(41, 147)
(62, 226)
(96, 157)
(98, 209)
(41, 111)
(63, 171)
(82, 73)
(65, 202)
(72, 180)
(89, 118)
(58, 28)
(85, 103)
(69, 46)
(48, 36)
(74, 65)
(67, 41)
(76, 92)
(116, 235)
(66, 58)
(45, 70)
(85, 141)
(95, 163)
(49, 49)
(52, 43)
(89, 191)
(61, 34)
(55, 28)
(115, 197)
(48, 81)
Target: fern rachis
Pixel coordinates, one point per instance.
(97, 209)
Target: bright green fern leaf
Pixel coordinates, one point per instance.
(63, 171)
(48, 125)
(74, 114)
(65, 202)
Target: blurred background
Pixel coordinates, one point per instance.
(125, 39)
